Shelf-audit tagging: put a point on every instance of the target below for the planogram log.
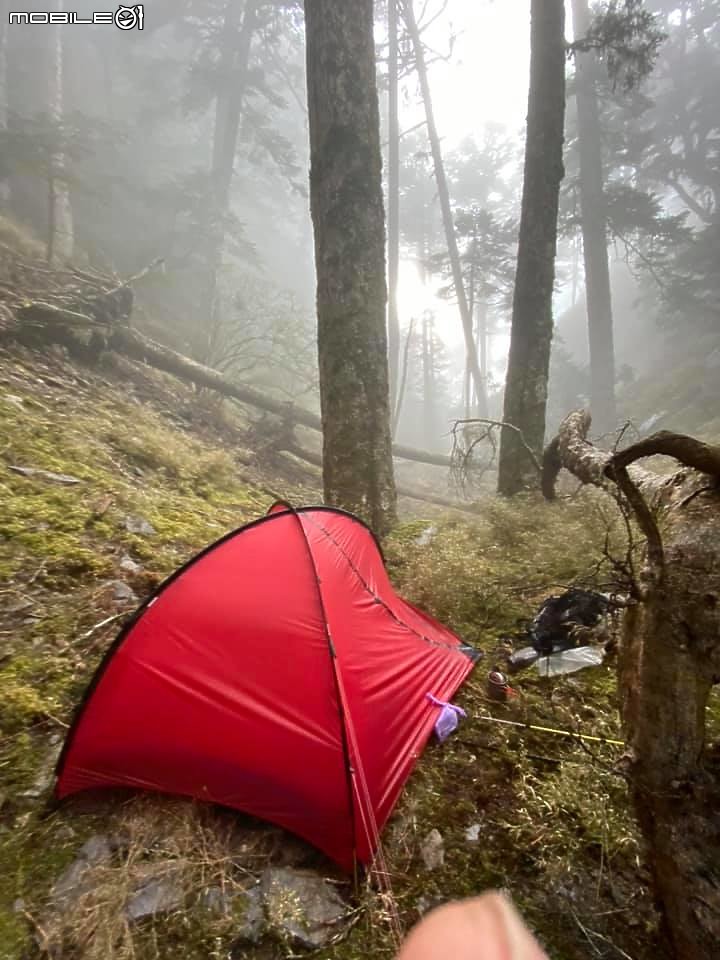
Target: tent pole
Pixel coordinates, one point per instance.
(338, 688)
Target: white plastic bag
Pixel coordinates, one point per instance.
(568, 661)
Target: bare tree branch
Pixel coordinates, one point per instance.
(686, 450)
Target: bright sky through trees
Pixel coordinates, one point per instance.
(484, 81)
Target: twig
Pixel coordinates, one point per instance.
(99, 626)
(40, 570)
(461, 457)
(588, 933)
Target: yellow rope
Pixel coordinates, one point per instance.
(562, 733)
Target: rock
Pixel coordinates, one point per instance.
(252, 928)
(425, 538)
(472, 834)
(128, 565)
(46, 773)
(289, 851)
(37, 474)
(425, 904)
(301, 907)
(122, 593)
(215, 900)
(433, 850)
(98, 849)
(139, 526)
(76, 879)
(249, 904)
(153, 896)
(240, 950)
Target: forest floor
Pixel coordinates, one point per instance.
(160, 472)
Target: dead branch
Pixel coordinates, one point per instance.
(644, 517)
(461, 456)
(41, 314)
(686, 450)
(572, 450)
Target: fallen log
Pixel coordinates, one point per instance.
(131, 343)
(309, 456)
(120, 337)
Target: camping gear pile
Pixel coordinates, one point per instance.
(568, 633)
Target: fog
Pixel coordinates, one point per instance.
(130, 133)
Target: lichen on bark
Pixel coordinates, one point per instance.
(532, 322)
(348, 219)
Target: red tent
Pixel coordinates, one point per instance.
(277, 673)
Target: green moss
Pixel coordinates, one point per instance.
(480, 576)
(14, 934)
(542, 832)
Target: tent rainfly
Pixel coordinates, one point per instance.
(277, 673)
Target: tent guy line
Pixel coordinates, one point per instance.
(554, 730)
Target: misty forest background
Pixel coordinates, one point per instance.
(188, 142)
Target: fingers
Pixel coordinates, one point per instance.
(484, 928)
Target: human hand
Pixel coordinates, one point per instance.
(484, 928)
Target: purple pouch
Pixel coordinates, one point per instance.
(447, 721)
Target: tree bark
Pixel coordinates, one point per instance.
(393, 225)
(446, 209)
(60, 221)
(668, 664)
(598, 299)
(4, 183)
(532, 317)
(347, 211)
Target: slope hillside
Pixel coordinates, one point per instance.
(112, 478)
(114, 474)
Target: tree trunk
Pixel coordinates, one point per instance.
(347, 211)
(594, 232)
(481, 337)
(393, 225)
(668, 664)
(403, 380)
(234, 61)
(4, 183)
(60, 226)
(228, 108)
(444, 197)
(428, 392)
(532, 318)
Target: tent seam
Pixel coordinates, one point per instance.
(378, 599)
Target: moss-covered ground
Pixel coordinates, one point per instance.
(548, 816)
